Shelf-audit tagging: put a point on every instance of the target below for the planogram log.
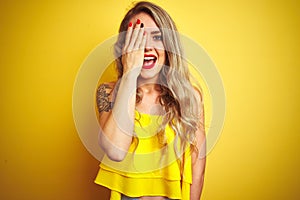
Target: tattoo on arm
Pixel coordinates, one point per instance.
(103, 100)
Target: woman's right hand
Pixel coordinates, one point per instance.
(133, 50)
(117, 125)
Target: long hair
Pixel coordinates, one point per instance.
(177, 93)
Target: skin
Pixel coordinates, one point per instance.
(118, 123)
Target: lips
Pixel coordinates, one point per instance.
(149, 61)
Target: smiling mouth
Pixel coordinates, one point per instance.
(149, 61)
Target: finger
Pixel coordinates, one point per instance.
(139, 38)
(134, 35)
(144, 39)
(128, 35)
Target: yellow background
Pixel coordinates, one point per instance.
(255, 45)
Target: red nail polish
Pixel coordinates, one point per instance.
(130, 24)
(138, 21)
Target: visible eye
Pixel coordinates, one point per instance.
(157, 37)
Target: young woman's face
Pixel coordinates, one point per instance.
(154, 53)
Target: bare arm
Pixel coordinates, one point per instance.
(114, 137)
(117, 122)
(199, 158)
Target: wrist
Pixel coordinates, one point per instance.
(131, 74)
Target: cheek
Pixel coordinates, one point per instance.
(161, 56)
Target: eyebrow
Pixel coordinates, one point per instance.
(155, 32)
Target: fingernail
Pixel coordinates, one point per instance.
(130, 24)
(142, 25)
(138, 21)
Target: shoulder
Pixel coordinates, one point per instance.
(107, 86)
(199, 109)
(105, 90)
(104, 96)
(198, 94)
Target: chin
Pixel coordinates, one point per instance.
(146, 76)
(150, 74)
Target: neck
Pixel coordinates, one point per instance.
(148, 86)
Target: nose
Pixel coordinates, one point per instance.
(148, 45)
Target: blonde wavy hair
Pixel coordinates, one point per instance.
(177, 93)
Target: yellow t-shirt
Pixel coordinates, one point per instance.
(150, 168)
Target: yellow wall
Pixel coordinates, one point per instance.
(255, 45)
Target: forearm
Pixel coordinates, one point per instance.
(198, 167)
(196, 188)
(117, 131)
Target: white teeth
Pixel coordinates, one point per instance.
(149, 58)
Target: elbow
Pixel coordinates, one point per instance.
(113, 152)
(116, 156)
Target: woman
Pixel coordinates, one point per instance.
(152, 118)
